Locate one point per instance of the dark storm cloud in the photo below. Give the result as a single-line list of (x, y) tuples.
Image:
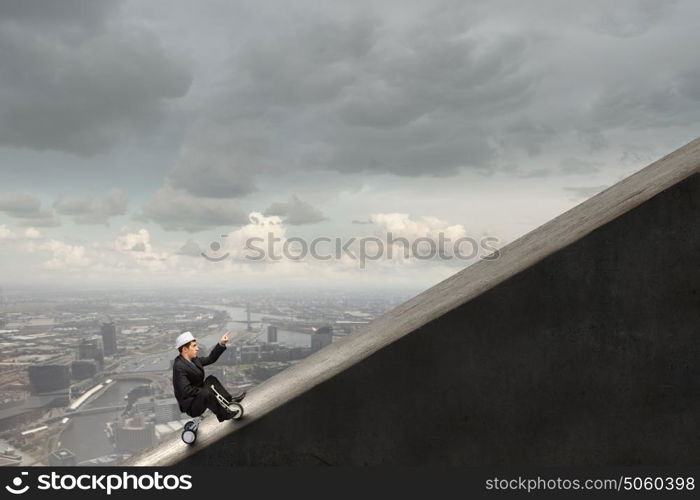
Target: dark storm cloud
[(649, 105), (209, 175), (688, 84), (295, 212), (363, 91), (177, 210), (576, 166), (430, 72), (593, 138), (519, 173), (47, 219), (20, 204), (527, 135), (353, 96), (74, 79), (68, 13), (90, 210), (626, 19), (27, 208), (358, 88)]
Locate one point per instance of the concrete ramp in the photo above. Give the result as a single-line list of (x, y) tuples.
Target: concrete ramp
[(579, 345)]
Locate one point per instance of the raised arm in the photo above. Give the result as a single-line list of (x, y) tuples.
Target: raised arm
[(216, 351)]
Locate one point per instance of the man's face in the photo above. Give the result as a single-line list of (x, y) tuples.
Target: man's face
[(191, 350)]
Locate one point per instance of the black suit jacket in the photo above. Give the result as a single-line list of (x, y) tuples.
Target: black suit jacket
[(188, 380)]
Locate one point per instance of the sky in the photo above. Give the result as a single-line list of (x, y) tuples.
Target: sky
[(137, 136)]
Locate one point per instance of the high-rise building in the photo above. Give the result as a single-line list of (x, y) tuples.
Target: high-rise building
[(109, 338), (83, 369), (271, 334), (49, 378), (133, 434), (9, 457), (167, 410), (322, 337), (249, 354), (62, 457), (91, 348), (228, 357)]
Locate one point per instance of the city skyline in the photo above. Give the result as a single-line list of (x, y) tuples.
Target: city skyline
[(71, 360)]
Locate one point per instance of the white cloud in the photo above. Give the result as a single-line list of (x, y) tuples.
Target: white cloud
[(259, 226), (65, 256), (28, 234), (31, 233), (133, 242), (429, 235), (6, 234)]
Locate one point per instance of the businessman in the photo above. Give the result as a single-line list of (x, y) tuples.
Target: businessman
[(193, 392)]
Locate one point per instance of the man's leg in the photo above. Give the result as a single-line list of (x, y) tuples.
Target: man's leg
[(200, 403), (207, 399), (211, 380), (218, 400)]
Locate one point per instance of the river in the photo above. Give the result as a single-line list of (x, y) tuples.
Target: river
[(237, 314), (85, 435)]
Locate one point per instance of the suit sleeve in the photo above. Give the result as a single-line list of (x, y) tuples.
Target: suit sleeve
[(183, 383), (213, 355)]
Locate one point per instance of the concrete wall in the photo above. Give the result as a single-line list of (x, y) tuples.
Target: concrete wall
[(591, 356)]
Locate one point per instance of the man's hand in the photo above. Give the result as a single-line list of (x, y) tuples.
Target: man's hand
[(224, 339)]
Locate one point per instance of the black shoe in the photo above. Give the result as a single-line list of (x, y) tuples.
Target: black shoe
[(239, 397), (226, 415)]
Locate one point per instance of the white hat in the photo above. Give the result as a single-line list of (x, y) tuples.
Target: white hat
[(183, 339)]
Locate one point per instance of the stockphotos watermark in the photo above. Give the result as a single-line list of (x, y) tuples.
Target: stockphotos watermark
[(361, 250), (107, 483)]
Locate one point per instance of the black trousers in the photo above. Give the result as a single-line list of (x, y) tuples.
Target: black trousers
[(206, 398)]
